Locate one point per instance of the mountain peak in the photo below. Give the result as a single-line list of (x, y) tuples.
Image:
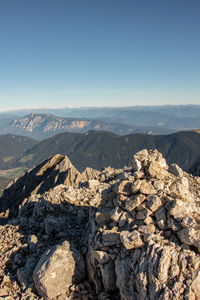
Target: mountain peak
[(56, 170)]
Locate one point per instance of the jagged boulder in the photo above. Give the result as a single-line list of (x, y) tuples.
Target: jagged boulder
[(158, 270), (58, 269)]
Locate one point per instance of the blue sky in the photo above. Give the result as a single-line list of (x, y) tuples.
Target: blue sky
[(99, 52)]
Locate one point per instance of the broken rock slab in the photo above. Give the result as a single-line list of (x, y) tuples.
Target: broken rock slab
[(58, 268), (176, 170), (131, 240)]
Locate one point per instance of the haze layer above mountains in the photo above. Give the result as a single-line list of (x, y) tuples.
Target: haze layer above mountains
[(43, 123), (41, 126)]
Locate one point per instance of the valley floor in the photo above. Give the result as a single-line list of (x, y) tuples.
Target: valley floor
[(6, 176)]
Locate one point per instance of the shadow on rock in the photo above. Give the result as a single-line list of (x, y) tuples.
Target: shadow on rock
[(135, 231), (52, 246), (53, 171)]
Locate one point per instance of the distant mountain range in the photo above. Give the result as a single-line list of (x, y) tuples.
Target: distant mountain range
[(68, 131), (40, 126), (173, 117)]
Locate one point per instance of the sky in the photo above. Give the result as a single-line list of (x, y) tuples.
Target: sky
[(56, 53)]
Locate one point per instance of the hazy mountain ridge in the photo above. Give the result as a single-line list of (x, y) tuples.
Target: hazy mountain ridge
[(98, 149), (172, 117), (40, 126), (188, 110)]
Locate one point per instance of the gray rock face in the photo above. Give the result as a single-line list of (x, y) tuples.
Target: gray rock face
[(156, 274), (161, 224), (58, 269), (54, 171), (131, 240), (136, 228), (176, 170)]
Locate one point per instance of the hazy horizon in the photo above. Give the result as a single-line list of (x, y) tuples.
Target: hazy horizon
[(90, 106)]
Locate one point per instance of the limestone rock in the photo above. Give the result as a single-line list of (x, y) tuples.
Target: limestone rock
[(139, 174), (176, 170), (179, 188), (154, 202), (131, 240), (138, 232), (158, 185), (134, 201), (188, 222), (54, 171), (57, 269), (24, 273), (135, 186), (115, 214), (181, 209), (190, 236), (143, 214), (32, 242), (91, 184), (141, 155), (90, 173), (147, 188), (155, 170), (173, 224), (150, 228), (123, 187), (156, 273), (136, 164), (195, 287)]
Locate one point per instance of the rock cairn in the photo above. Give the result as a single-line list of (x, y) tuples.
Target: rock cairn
[(132, 233)]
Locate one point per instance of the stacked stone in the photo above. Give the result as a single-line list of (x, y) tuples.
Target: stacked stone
[(147, 234)]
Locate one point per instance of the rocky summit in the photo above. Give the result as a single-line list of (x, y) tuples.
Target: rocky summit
[(130, 233)]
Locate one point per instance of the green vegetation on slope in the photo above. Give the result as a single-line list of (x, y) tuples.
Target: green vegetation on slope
[(11, 146), (6, 176), (98, 149)]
